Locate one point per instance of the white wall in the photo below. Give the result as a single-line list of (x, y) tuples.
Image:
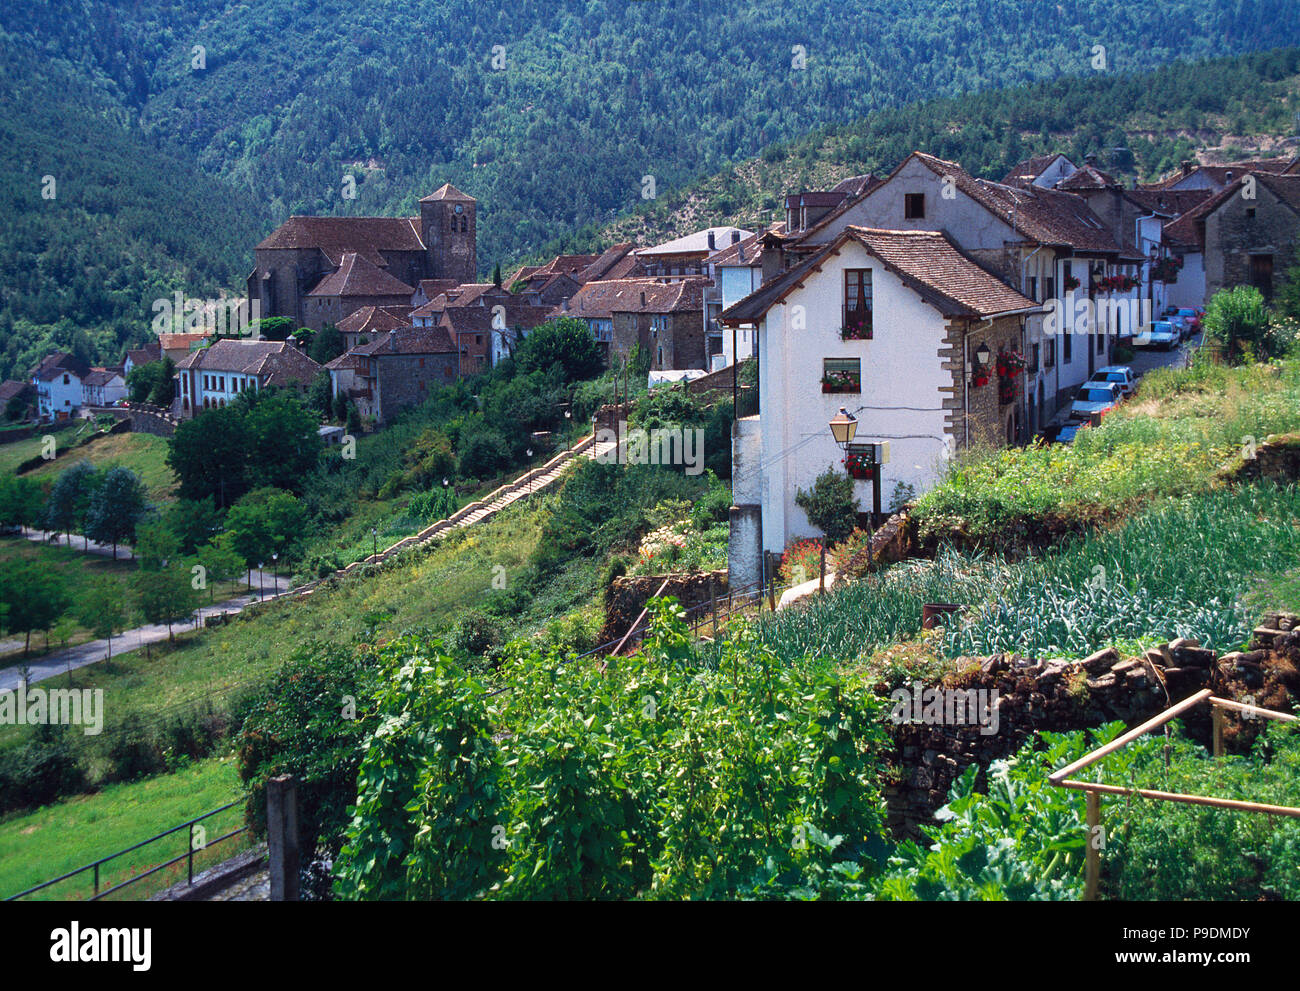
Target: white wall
[(1189, 290), (735, 283), (900, 367)]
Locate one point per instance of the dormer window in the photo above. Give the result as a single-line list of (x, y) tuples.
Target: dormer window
[(914, 206)]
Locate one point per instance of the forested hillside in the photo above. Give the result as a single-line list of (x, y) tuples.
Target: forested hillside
[(1140, 126), (207, 122)]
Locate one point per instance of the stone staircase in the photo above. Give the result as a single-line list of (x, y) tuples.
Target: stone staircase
[(531, 482)]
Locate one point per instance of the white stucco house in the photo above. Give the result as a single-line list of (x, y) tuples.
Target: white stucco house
[(103, 387), (58, 381), (891, 325)]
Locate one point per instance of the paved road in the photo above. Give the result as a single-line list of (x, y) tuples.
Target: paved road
[(1145, 359)]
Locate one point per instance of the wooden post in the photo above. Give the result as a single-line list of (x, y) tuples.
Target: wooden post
[(821, 580), (282, 836), (1093, 863), (1217, 714), (713, 605)]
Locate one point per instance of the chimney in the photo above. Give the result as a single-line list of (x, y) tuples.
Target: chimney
[(643, 294), (735, 237), (772, 260), (1090, 159), (1228, 175), (712, 247), (1187, 167)]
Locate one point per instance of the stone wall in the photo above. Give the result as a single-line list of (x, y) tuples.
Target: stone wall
[(625, 597), (1060, 697), (966, 404)]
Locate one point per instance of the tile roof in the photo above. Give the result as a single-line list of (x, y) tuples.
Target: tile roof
[(604, 265), (274, 362), (100, 376), (434, 287), (927, 261), (348, 361), (1187, 233), (1223, 174), (152, 351), (11, 387), (748, 253), (408, 340), (177, 342), (1030, 169), (337, 236), (1044, 216), (447, 192), (373, 319), (1088, 177), (1170, 202), (856, 185), (356, 276), (601, 300), (53, 365)]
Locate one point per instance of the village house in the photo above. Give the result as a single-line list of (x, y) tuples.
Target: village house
[(21, 394), (58, 383), (396, 370), (103, 387), (317, 270), (905, 331), (1046, 243), (664, 318), (146, 355), (214, 376), (1216, 178), (364, 325), (484, 320), (1245, 234), (737, 271)]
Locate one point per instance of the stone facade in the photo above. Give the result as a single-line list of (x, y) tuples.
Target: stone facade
[(1242, 234), (679, 344), (406, 380), (975, 415)]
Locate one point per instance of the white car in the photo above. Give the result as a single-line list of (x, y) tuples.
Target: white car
[(1095, 397), (1157, 334), (1120, 374)]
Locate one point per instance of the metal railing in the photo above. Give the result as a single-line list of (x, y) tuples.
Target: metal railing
[(190, 852)]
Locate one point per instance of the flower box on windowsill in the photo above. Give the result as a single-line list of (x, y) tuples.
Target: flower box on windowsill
[(841, 383), (856, 332)]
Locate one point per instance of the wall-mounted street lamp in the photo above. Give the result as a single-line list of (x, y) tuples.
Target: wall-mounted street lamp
[(983, 356), (844, 427)]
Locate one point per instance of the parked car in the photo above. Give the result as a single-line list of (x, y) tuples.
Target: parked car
[(1159, 334), (1095, 397), (1122, 374), (1190, 321)]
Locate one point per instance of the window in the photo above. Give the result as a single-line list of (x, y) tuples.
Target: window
[(1250, 212), (1032, 288), (841, 375), (857, 305), (914, 206), (478, 338), (65, 380), (1049, 287), (1050, 360), (1033, 357), (1067, 348), (421, 365), (1101, 343), (660, 359), (1261, 274)]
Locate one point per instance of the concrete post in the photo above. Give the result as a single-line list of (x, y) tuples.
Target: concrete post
[(282, 837)]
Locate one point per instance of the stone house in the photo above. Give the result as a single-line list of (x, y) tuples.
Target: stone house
[(665, 318), (396, 370), (355, 285), (364, 325), (1247, 232), (303, 252), (917, 366)]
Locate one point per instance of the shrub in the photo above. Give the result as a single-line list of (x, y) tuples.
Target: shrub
[(41, 771), (830, 504)]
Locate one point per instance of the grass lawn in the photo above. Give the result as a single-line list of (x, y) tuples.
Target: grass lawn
[(12, 455), (37, 846), (144, 454)]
